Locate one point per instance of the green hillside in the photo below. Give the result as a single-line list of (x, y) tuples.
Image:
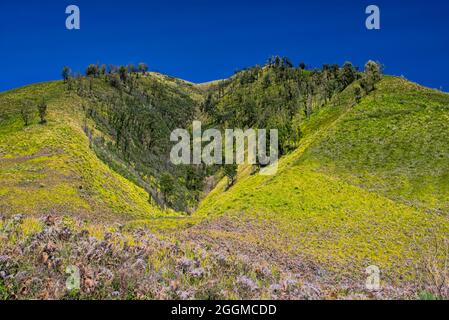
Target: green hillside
[(394, 143), (363, 180), (367, 186), (50, 169)]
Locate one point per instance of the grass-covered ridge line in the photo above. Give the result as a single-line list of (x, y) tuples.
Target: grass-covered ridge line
[(394, 143), (321, 215)]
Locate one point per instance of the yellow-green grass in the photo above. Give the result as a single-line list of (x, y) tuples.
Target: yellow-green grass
[(50, 168), (358, 191), (395, 142), (326, 217), (177, 85)]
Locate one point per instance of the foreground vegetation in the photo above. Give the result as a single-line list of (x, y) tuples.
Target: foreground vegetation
[(37, 257)]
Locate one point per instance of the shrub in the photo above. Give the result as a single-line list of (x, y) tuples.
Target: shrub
[(42, 109), (66, 72), (26, 112)]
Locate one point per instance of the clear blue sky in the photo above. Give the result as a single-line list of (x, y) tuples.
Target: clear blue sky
[(202, 40)]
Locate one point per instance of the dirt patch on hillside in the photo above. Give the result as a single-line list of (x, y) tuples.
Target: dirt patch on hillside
[(45, 152)]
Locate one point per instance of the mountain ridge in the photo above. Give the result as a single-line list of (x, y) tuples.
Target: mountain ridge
[(361, 181)]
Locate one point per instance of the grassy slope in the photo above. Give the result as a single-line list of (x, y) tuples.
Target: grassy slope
[(324, 205), (394, 143), (342, 209), (51, 169)]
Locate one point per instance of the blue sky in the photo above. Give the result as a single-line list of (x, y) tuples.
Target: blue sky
[(202, 40)]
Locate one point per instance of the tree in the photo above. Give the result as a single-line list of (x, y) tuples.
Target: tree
[(373, 70), (66, 72), (357, 94), (194, 179), (230, 171), (103, 70), (143, 67), (302, 66), (308, 105), (42, 109), (208, 104), (92, 70), (308, 90), (166, 185), (372, 74), (123, 72), (286, 63), (132, 68), (348, 74), (277, 61), (26, 112), (329, 81)]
